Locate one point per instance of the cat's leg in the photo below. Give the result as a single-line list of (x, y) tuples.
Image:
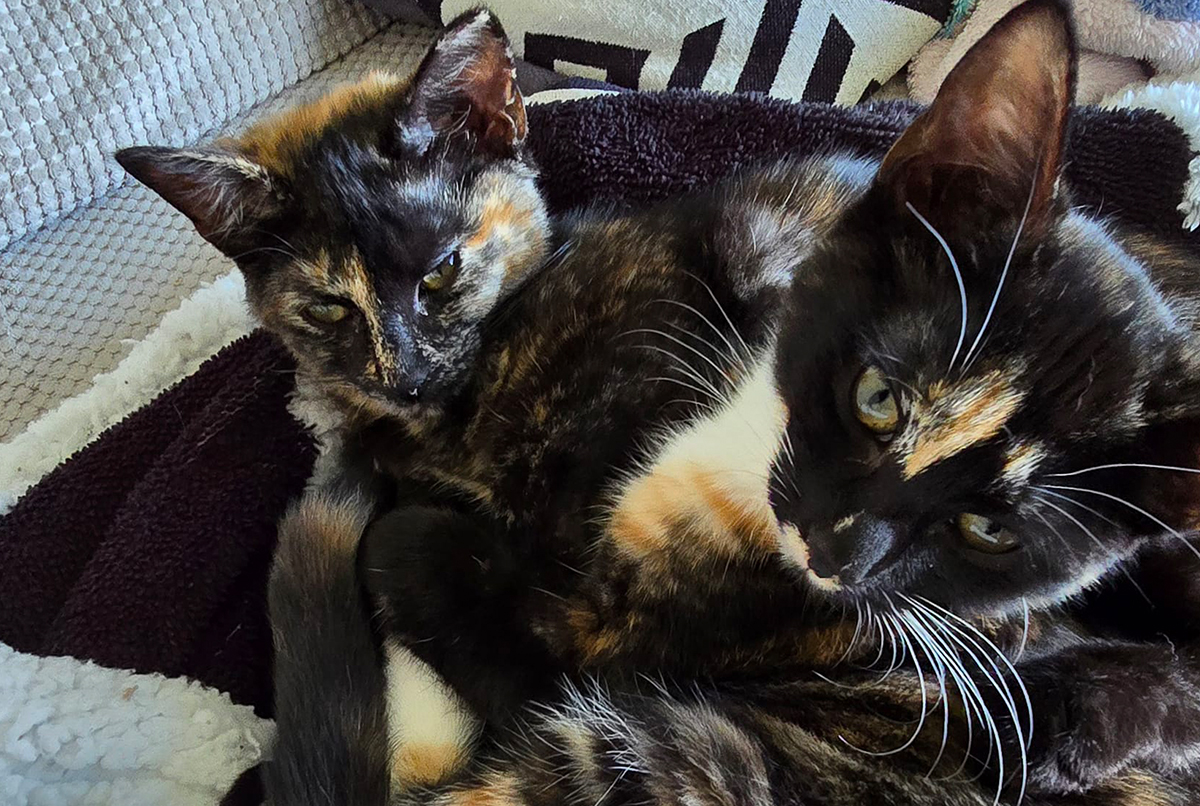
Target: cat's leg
[(450, 588), (1103, 707)]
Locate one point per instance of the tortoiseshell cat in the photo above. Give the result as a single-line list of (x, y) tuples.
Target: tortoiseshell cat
[(684, 569), (378, 226), (937, 431)]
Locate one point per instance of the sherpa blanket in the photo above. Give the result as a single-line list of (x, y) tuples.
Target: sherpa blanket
[(148, 550)]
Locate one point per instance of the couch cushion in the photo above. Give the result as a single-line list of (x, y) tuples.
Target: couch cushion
[(81, 78), (818, 50)]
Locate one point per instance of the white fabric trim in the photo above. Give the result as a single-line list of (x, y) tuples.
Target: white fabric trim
[(209, 319)]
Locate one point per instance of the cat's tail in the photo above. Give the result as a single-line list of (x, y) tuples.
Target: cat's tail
[(330, 684)]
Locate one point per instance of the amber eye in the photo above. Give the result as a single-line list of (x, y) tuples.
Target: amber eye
[(443, 275), (875, 404), (985, 534), (327, 313)]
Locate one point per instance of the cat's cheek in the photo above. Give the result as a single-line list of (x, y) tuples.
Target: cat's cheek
[(795, 553)]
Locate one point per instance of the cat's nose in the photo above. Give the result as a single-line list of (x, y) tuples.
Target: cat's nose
[(853, 549), (410, 380)]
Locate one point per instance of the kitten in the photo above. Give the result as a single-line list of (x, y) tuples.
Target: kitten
[(624, 485), (379, 225)]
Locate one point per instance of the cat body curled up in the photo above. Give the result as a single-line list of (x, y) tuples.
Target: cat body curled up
[(613, 488)]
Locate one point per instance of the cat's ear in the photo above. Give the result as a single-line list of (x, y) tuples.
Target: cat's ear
[(223, 193), (992, 141), (468, 83)]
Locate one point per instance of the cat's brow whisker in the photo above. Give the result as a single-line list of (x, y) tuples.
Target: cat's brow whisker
[(258, 249), (1117, 465), (1084, 507), (916, 393), (970, 357), (962, 288), (1132, 506)]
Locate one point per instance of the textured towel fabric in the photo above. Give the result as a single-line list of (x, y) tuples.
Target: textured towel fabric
[(149, 549)]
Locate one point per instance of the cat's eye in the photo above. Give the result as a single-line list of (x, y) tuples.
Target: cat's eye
[(985, 534), (875, 404), (442, 275), (326, 313)]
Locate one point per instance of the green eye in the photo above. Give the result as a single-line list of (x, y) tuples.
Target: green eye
[(985, 534), (443, 275), (327, 313), (875, 404)]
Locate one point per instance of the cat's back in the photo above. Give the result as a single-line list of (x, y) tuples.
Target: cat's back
[(645, 320)]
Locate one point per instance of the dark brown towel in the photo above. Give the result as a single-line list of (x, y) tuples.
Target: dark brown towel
[(149, 549)]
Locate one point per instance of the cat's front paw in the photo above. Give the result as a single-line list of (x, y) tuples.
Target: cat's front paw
[(430, 568), (1097, 710)]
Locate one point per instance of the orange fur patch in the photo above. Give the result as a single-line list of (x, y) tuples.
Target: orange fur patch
[(352, 281), (961, 416), (1021, 461), (415, 764), (728, 521), (500, 790), (274, 142)]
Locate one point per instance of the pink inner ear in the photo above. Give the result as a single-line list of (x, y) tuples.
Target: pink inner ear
[(490, 85), (1002, 112), (468, 82)]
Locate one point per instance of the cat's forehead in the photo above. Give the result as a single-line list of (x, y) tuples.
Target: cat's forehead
[(951, 415)]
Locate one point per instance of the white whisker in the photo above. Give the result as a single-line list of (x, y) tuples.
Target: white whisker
[(1116, 560), (688, 370), (933, 653), (954, 636), (1024, 630), (968, 632), (924, 702), (973, 702), (962, 288), (721, 310), (1116, 465), (1000, 285), (1132, 506), (733, 351), (683, 344)]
